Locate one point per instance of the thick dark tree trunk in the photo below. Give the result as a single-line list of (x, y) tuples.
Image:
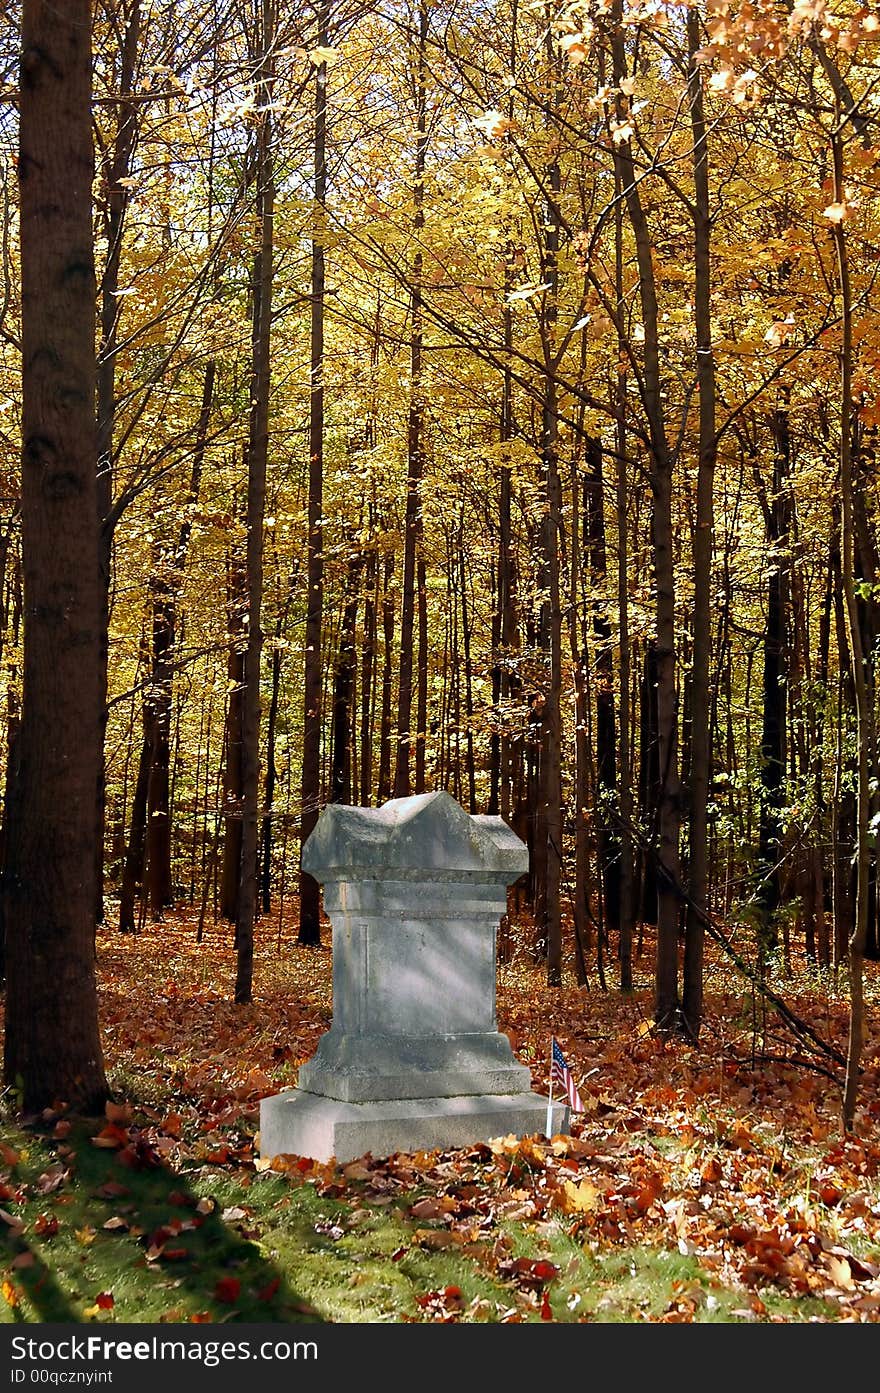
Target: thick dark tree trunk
[(52, 1044)]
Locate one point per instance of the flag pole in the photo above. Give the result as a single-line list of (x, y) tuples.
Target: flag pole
[(548, 1130)]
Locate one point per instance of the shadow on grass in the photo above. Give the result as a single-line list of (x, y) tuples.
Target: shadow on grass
[(116, 1235)]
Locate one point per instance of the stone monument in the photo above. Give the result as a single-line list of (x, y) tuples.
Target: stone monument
[(413, 1059)]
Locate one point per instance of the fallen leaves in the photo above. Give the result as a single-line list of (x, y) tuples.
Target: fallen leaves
[(735, 1164)]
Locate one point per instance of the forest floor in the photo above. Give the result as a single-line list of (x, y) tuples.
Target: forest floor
[(705, 1186)]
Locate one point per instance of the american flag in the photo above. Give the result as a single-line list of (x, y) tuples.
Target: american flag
[(560, 1073)]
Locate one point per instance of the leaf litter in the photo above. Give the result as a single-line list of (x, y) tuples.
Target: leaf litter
[(727, 1163)]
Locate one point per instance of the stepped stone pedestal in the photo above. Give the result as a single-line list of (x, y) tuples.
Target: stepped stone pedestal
[(413, 1060)]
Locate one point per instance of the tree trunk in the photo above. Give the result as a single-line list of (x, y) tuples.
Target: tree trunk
[(343, 685), (385, 736), (115, 170), (309, 892), (774, 686), (700, 726), (232, 791), (52, 1043), (415, 443), (258, 450), (606, 764)]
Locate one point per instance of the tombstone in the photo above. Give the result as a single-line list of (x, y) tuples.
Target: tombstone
[(413, 1060)]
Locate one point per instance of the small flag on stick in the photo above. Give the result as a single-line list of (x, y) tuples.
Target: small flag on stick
[(561, 1074)]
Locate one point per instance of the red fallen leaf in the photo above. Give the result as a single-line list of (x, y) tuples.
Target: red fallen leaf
[(45, 1225), (172, 1124), (546, 1308), (268, 1291), (117, 1112), (180, 1199), (104, 1299), (111, 1136), (544, 1271), (218, 1157), (201, 1318), (398, 1254), (228, 1290), (175, 1254), (9, 1154)]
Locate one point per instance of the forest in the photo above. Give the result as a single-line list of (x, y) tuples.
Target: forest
[(476, 395)]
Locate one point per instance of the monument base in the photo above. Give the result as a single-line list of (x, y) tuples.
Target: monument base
[(305, 1124)]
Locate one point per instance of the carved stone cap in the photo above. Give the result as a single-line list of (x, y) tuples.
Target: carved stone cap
[(427, 836)]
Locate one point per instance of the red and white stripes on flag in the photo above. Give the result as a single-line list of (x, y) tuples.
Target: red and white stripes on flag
[(561, 1074)]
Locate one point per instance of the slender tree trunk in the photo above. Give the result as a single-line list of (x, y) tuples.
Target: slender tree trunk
[(310, 898), (258, 450), (116, 169), (52, 1043), (343, 685), (385, 730), (698, 859), (232, 788), (624, 762), (368, 671), (415, 442), (774, 686), (551, 752), (857, 659), (606, 766), (668, 820), (268, 826)]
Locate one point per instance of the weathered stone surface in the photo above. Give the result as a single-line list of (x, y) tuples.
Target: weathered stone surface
[(414, 891), (323, 1127)]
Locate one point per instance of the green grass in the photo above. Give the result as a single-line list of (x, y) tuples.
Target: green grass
[(213, 1244)]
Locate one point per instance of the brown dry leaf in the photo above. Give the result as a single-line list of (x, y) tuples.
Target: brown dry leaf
[(52, 1178), (356, 1170), (437, 1238), (434, 1207)]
